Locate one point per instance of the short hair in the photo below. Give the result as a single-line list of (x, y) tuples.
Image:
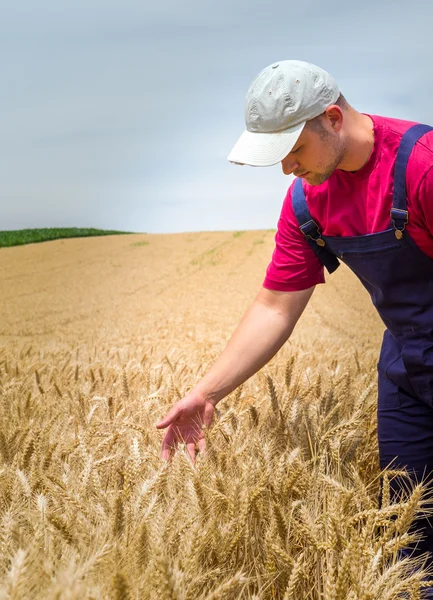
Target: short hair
[(316, 123), (342, 102)]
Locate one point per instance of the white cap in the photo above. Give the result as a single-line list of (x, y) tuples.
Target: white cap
[(279, 102)]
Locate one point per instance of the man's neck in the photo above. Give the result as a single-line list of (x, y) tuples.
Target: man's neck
[(359, 140)]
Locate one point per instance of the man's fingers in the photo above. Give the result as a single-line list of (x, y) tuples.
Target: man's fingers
[(165, 452), (171, 416), (168, 443), (191, 451), (166, 448)]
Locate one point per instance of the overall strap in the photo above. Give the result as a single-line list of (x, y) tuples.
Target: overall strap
[(399, 214), (310, 228)]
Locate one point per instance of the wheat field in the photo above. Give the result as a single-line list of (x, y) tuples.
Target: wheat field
[(98, 338)]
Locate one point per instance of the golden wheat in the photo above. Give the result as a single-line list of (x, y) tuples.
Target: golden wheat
[(283, 504)]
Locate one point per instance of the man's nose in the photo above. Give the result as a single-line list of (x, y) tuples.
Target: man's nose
[(289, 165)]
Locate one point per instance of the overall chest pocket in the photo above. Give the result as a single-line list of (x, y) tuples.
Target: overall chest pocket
[(369, 253)]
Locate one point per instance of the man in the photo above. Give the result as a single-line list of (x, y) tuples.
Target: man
[(363, 195)]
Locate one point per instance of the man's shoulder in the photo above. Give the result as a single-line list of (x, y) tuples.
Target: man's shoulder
[(394, 130), (398, 126), (421, 159)]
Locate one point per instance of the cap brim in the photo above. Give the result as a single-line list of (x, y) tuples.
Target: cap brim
[(264, 149)]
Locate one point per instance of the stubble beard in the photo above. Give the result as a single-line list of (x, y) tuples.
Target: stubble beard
[(317, 178), (337, 151)]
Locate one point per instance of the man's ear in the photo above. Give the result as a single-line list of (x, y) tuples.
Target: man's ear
[(334, 115)]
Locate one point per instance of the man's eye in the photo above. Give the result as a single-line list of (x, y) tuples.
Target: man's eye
[(295, 151)]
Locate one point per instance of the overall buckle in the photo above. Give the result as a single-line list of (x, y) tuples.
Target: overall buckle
[(311, 230), (399, 219)]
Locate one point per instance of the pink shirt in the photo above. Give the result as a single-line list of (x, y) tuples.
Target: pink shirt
[(356, 204)]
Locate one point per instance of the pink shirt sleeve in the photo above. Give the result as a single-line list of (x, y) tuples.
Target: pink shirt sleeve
[(294, 265)]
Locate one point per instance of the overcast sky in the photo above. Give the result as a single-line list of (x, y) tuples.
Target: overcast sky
[(120, 114)]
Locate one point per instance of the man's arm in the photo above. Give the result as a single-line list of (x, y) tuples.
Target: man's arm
[(262, 331)]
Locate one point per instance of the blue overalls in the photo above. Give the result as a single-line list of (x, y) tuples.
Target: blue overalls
[(399, 278)]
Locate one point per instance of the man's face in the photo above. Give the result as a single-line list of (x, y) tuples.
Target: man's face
[(317, 153)]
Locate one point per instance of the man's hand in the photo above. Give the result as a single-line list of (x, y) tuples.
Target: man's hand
[(184, 421)]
